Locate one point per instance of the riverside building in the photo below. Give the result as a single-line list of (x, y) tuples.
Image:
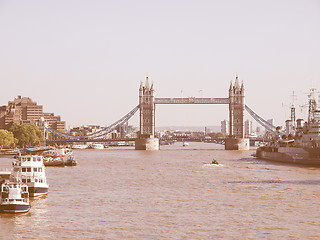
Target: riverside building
[(22, 110)]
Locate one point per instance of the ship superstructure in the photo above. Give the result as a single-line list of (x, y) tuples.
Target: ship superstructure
[(303, 146), (31, 170)]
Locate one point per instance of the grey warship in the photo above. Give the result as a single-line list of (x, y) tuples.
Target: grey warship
[(301, 147)]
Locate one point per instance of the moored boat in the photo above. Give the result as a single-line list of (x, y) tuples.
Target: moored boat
[(57, 157), (303, 145), (14, 197), (30, 169), (79, 146), (96, 146), (53, 161), (289, 154)]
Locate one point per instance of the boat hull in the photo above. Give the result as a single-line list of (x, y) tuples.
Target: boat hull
[(54, 163), (71, 163), (37, 191), (295, 156), (14, 208)]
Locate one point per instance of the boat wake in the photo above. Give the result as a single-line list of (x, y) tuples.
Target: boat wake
[(210, 165)]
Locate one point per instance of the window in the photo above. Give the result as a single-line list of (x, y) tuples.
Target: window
[(28, 169), (35, 169), (23, 169)]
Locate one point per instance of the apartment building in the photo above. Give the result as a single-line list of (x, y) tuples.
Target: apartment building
[(22, 110)]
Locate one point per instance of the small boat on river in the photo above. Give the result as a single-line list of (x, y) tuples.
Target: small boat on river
[(58, 157), (14, 197), (50, 161)]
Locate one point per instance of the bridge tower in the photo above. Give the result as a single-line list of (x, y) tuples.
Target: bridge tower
[(146, 139), (236, 140)]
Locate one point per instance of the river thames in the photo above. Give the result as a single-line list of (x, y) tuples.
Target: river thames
[(174, 193)]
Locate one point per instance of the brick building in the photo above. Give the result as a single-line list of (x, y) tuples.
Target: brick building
[(22, 110)]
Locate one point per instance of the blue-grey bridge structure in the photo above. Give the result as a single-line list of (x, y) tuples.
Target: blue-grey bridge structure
[(147, 103)]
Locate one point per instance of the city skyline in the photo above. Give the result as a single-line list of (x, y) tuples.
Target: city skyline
[(85, 61)]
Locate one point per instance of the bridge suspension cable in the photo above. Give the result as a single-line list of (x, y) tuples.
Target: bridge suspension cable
[(121, 121), (260, 120), (102, 132)]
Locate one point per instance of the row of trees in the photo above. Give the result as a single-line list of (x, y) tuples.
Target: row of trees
[(22, 135)]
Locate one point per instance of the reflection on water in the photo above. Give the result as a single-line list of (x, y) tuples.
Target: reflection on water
[(174, 193)]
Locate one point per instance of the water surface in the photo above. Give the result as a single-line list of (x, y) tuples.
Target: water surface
[(174, 193)]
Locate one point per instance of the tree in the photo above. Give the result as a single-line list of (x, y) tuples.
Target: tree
[(214, 135), (34, 135), (6, 138), (132, 131), (27, 134)]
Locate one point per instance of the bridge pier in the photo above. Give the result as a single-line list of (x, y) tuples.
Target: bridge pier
[(237, 144), (147, 144), (236, 140), (146, 139)]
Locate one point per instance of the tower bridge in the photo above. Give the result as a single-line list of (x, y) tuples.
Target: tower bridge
[(146, 139), (147, 102)]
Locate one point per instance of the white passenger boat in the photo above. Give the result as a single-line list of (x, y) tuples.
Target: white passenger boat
[(30, 169), (97, 146), (14, 197), (79, 146)]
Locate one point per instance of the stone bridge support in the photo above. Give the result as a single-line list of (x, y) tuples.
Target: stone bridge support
[(236, 140), (146, 138)]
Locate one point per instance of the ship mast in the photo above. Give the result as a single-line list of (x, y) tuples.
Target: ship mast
[(312, 105), (293, 112)]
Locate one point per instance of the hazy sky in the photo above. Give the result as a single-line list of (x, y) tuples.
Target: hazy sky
[(84, 60)]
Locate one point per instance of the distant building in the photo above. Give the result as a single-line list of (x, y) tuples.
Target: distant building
[(271, 121), (22, 110), (225, 127), (248, 128), (182, 134), (258, 131)]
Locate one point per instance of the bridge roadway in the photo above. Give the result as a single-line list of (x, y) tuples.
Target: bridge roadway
[(218, 140), (89, 140), (192, 100)]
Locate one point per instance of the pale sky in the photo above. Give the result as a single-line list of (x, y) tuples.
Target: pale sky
[(84, 60)]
